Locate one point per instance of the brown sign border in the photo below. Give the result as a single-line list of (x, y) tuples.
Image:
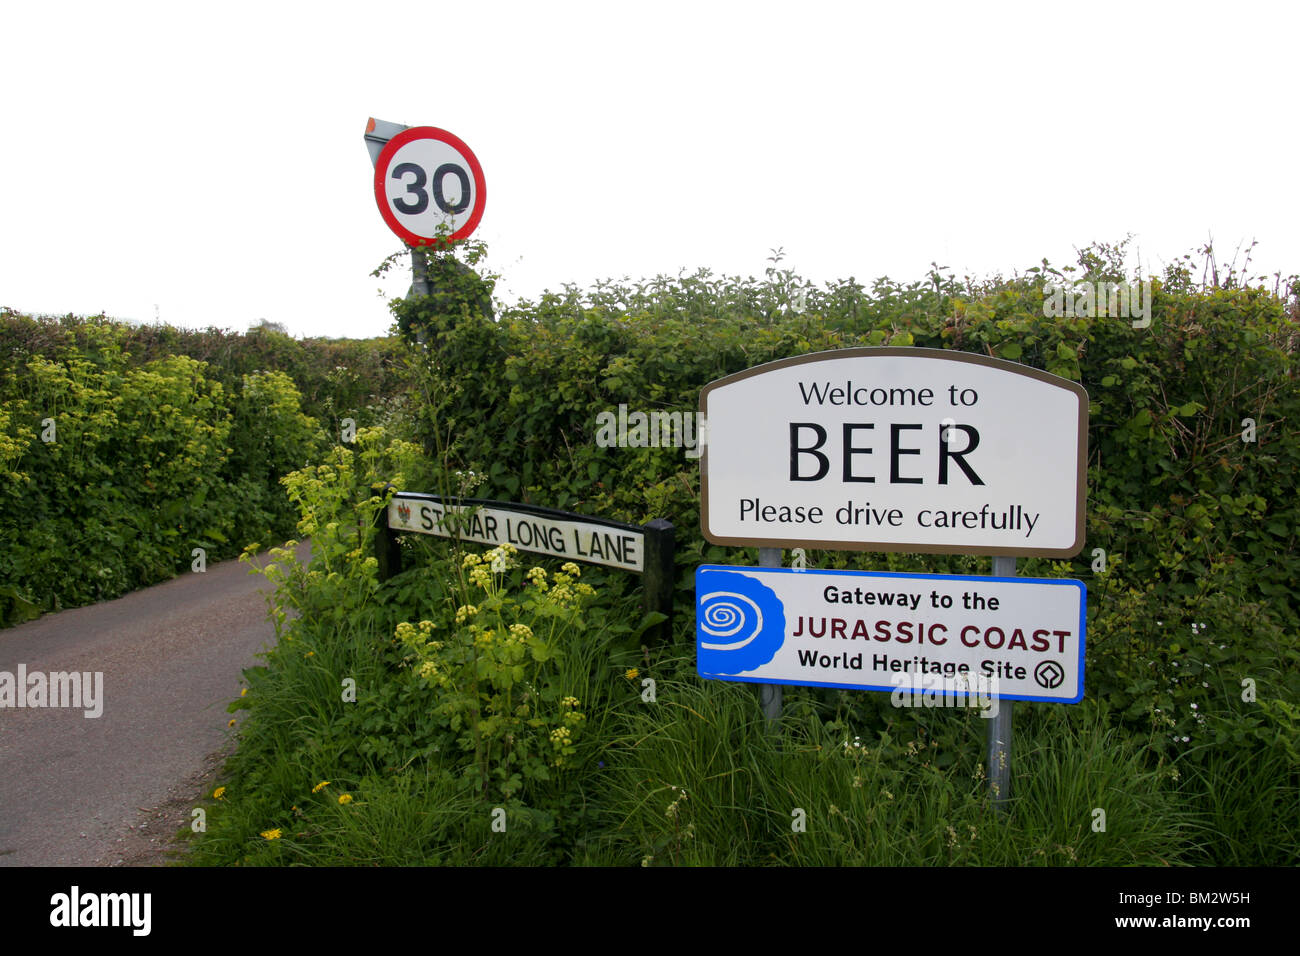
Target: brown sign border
[(1013, 368)]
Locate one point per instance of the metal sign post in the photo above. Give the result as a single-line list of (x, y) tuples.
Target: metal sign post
[(999, 728), (769, 695)]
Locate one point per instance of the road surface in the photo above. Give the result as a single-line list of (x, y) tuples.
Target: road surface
[(113, 789)]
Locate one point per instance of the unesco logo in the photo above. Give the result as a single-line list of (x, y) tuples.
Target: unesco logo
[(741, 623), (1049, 674)]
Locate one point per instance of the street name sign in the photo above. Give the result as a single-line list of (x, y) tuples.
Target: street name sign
[(896, 449), (429, 186), (1013, 638), (645, 550), (560, 534)]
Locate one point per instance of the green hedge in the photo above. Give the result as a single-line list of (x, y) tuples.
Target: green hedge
[(115, 465), (1199, 527), (1189, 768)]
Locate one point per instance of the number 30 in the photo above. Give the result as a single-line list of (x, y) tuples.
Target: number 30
[(416, 188)]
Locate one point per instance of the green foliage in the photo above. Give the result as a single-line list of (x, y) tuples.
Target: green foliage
[(702, 781), (1173, 490), (483, 701), (1188, 737), (493, 672), (115, 466)]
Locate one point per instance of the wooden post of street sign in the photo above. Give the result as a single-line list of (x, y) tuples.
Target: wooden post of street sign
[(769, 695), (659, 578), (999, 729), (387, 550)]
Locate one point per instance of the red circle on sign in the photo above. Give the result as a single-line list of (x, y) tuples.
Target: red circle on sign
[(382, 176)]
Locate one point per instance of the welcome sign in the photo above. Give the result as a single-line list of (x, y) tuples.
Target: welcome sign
[(896, 449)]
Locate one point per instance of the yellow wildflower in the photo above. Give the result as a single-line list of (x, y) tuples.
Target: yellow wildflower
[(632, 673), (320, 786), (271, 834), (345, 798), (219, 793)]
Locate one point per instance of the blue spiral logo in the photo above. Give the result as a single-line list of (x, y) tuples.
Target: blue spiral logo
[(740, 622)]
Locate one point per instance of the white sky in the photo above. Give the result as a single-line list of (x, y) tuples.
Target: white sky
[(209, 161)]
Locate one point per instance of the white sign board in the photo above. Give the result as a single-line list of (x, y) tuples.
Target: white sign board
[(528, 529), (1013, 638), (896, 449)]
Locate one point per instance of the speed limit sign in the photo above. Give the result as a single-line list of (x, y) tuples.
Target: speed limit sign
[(429, 186)]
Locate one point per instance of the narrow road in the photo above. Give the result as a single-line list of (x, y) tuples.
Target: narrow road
[(78, 790)]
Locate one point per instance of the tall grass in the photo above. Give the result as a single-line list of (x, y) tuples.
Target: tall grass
[(808, 792)]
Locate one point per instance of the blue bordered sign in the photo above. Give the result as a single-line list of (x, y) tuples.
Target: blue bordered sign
[(1014, 638)]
